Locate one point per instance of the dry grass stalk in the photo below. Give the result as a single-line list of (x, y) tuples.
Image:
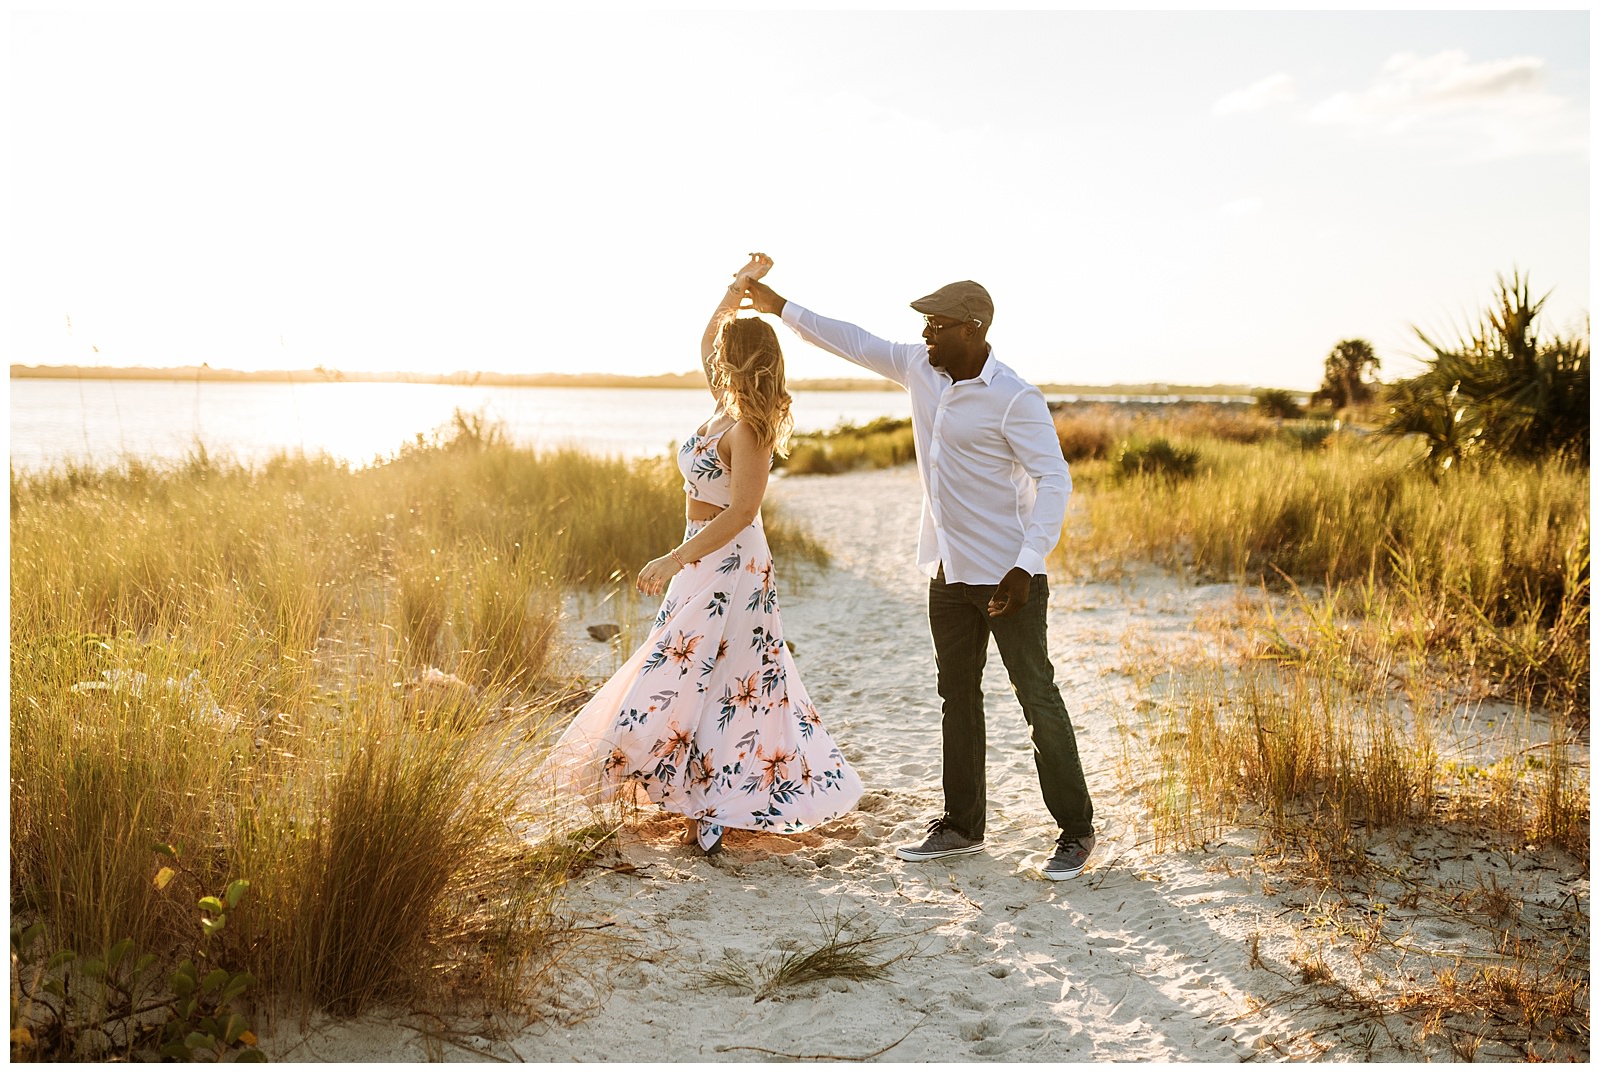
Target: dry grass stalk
[(834, 957)]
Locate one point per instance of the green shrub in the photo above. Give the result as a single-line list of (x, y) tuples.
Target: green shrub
[(1156, 458), (1278, 404)]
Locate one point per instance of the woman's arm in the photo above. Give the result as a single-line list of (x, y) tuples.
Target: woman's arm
[(749, 469), (729, 306)]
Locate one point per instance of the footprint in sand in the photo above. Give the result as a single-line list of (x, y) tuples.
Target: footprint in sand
[(630, 978), (693, 909), (967, 1002), (873, 801), (979, 1030), (1011, 1038)]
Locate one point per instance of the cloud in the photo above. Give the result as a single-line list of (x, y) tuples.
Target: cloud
[(1495, 107), (1277, 89)]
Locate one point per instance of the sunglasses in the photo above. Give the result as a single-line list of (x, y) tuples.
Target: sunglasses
[(936, 327)]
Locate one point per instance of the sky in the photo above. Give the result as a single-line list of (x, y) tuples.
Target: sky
[(1173, 196)]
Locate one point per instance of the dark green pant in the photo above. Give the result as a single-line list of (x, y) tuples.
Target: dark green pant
[(961, 627)]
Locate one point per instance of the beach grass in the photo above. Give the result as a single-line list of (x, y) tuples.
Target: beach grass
[(1402, 675), (876, 445), (330, 681), (1488, 565), (1391, 602)]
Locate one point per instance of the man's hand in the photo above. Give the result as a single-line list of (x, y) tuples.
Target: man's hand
[(764, 299), (1011, 595)]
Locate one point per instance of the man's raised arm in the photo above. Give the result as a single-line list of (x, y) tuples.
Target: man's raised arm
[(888, 360)]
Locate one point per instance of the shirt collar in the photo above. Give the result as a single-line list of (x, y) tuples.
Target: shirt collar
[(985, 374), (990, 367)]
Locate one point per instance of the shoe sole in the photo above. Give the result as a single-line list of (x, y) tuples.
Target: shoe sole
[(915, 855), (1056, 875)]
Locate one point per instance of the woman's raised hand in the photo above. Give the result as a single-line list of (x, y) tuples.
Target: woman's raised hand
[(759, 263)]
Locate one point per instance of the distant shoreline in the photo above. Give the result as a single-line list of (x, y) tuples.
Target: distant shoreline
[(696, 381)]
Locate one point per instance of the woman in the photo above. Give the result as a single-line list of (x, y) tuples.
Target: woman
[(709, 717)]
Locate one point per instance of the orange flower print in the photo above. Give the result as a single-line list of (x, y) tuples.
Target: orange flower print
[(682, 652), (702, 769), (745, 694), (678, 740), (775, 766), (766, 597)]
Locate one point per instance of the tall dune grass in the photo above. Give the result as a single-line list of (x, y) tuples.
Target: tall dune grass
[(1488, 564), (329, 681), (1468, 588), (876, 445)]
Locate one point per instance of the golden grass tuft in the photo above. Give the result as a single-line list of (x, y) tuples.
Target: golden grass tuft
[(877, 445), (330, 681)]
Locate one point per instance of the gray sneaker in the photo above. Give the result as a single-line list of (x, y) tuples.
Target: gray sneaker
[(1068, 861), (942, 841)]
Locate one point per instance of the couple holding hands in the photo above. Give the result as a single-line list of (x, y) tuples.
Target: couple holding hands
[(709, 716)]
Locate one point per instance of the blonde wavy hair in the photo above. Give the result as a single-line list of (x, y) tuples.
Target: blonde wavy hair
[(747, 371)]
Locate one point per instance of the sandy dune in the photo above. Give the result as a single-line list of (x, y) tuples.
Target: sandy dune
[(1145, 957)]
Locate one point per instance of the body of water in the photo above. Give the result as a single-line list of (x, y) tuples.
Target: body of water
[(101, 422)]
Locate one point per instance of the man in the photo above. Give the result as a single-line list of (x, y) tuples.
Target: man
[(995, 491)]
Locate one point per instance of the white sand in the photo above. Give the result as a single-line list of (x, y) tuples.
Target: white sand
[(1145, 957)]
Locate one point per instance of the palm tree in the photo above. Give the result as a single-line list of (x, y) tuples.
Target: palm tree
[(1344, 374)]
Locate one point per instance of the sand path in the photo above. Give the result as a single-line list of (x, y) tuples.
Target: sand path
[(1120, 964)]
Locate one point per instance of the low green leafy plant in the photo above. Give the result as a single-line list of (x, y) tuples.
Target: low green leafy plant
[(112, 1007)]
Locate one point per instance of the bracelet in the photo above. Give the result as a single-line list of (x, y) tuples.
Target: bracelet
[(677, 560)]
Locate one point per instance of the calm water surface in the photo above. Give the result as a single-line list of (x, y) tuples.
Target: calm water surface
[(101, 422)]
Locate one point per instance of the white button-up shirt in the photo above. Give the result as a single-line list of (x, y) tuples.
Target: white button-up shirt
[(994, 483)]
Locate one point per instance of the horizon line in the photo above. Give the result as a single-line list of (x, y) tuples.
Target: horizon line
[(487, 378)]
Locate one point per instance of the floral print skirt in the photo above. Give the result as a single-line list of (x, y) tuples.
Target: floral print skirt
[(709, 717)]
